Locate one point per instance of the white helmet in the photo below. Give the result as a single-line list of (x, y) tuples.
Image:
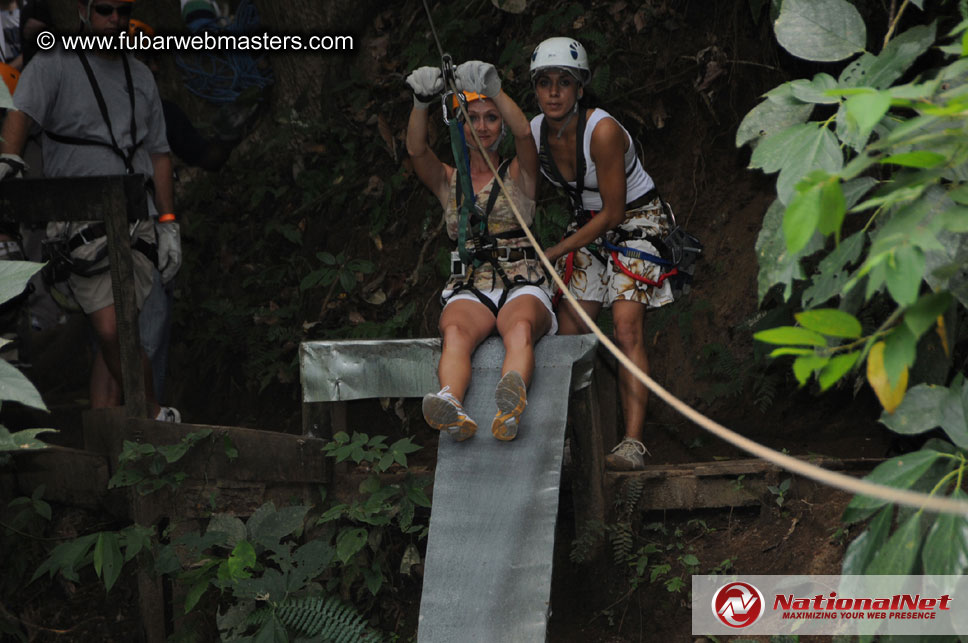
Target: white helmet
[(563, 53)]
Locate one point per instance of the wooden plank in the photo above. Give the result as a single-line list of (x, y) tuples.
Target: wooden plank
[(70, 476), (36, 201), (264, 456), (700, 485)]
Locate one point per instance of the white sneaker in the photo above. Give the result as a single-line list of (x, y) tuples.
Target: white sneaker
[(628, 455), (168, 414), (511, 397), (445, 413)]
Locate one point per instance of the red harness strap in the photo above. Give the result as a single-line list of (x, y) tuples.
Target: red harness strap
[(657, 282), (569, 269)]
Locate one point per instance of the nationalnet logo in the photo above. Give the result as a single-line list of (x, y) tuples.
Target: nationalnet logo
[(738, 604), (831, 605)]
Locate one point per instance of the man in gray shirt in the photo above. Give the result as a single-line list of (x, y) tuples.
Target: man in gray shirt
[(101, 114)]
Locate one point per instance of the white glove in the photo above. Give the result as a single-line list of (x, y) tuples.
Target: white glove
[(427, 84), (169, 250), (11, 165), (480, 77)]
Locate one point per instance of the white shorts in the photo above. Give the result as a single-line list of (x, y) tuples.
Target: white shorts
[(495, 296)]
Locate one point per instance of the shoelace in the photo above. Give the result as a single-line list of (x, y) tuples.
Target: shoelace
[(627, 445), (446, 394)]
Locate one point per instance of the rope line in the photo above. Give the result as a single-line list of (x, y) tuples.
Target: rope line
[(834, 479)]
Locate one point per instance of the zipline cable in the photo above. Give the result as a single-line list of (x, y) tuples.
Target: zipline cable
[(840, 481)]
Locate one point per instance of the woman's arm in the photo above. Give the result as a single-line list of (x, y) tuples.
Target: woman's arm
[(608, 154), (524, 167), (431, 171)]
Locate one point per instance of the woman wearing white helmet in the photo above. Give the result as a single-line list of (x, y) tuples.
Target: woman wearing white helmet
[(618, 220), (497, 283)]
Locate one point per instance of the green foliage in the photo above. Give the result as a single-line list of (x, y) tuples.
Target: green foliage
[(324, 619), (729, 377), (359, 530), (22, 524), (148, 467), (336, 269), (870, 229), (779, 491), (647, 554), (106, 551), (14, 386)]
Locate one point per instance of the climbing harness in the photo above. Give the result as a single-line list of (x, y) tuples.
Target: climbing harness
[(679, 250), (125, 156), (485, 249), (476, 245)]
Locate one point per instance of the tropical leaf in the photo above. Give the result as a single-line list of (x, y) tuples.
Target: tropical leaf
[(898, 555), (772, 116), (900, 472), (889, 394), (820, 30), (945, 549), (15, 387), (926, 407), (861, 550), (830, 321)]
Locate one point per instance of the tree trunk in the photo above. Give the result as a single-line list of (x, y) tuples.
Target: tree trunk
[(301, 77)]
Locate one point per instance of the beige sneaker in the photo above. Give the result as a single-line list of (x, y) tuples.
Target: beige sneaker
[(444, 412), (628, 455), (511, 397)]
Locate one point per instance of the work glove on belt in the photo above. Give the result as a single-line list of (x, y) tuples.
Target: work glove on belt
[(11, 165), (169, 250)]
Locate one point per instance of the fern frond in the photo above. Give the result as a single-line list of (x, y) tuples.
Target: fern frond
[(622, 541), (590, 535), (627, 500), (325, 619)]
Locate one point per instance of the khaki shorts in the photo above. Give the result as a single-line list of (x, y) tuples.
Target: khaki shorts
[(605, 283), (95, 293)]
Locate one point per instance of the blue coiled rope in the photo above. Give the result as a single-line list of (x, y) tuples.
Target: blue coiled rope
[(222, 76)]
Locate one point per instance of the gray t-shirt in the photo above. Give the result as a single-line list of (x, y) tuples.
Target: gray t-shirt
[(55, 92)]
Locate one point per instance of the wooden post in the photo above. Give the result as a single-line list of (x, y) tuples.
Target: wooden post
[(588, 488), (127, 207)]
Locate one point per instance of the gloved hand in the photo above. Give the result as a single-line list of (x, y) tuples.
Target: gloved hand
[(480, 77), (427, 84), (169, 250), (11, 165)]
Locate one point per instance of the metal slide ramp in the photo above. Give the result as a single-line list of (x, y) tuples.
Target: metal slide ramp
[(490, 548)]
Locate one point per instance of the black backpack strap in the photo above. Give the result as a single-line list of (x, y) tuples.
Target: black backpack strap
[(126, 157), (502, 171), (550, 168)]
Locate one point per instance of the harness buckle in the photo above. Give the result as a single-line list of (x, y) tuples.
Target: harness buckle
[(502, 253), (82, 235)]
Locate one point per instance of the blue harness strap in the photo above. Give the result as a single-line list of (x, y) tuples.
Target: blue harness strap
[(637, 254)]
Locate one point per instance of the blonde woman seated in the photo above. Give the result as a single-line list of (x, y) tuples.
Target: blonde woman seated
[(498, 282)]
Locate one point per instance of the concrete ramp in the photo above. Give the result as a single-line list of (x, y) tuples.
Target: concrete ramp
[(492, 527)]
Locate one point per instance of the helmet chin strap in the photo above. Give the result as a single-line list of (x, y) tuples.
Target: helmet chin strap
[(86, 17), (567, 120), (500, 137)]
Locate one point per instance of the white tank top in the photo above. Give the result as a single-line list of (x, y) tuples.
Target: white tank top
[(637, 180)]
